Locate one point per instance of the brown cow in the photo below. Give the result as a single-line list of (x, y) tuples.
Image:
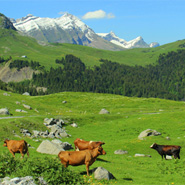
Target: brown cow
[(15, 146), (83, 145), (76, 158)]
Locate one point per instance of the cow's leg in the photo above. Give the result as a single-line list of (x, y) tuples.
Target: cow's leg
[(162, 156), (87, 168), (176, 156), (65, 163), (22, 154), (12, 153), (27, 153)]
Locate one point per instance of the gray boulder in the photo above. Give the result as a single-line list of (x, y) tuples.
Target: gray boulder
[(20, 110), (4, 111), (121, 152), (142, 155), (104, 111), (49, 147), (74, 125), (27, 106), (101, 173), (64, 145), (26, 94), (148, 132)]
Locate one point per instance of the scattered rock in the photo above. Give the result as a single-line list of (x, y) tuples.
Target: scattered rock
[(101, 173), (6, 94), (142, 155), (51, 121), (104, 111), (27, 106), (148, 132), (4, 111), (28, 180), (120, 152), (26, 94), (18, 103), (168, 138), (74, 125), (20, 110), (25, 132), (64, 101), (36, 110)]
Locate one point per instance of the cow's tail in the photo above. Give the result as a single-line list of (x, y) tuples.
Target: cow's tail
[(26, 148)]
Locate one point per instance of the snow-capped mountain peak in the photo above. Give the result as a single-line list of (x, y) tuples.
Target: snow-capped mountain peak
[(65, 29), (135, 43)]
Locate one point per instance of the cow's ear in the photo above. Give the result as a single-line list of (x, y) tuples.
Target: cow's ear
[(102, 143)]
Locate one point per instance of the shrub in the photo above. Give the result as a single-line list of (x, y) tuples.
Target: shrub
[(48, 168)]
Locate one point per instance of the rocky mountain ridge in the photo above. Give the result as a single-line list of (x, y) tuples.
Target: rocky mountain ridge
[(70, 29)]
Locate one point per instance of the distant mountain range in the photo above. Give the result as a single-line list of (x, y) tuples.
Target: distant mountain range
[(70, 29)]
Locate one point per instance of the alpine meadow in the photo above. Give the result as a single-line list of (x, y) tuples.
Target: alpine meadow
[(139, 89)]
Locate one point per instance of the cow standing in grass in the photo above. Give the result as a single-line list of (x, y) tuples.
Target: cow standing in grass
[(81, 144), (76, 158), (163, 150), (15, 146)]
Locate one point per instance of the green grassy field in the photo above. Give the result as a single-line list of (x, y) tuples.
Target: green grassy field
[(15, 45), (119, 130)]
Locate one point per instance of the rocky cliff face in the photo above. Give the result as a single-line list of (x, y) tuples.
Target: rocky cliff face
[(5, 23)]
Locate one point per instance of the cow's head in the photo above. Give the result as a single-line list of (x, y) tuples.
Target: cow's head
[(5, 142), (102, 143), (154, 146), (101, 151)]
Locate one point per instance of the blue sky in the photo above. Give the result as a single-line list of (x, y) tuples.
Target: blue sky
[(160, 21)]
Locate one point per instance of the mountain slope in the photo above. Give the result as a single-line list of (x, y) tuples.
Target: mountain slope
[(65, 29)]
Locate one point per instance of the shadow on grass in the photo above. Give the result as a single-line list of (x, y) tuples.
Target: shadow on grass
[(102, 160), (128, 179)]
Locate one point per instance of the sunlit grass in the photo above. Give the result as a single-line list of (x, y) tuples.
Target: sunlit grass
[(119, 130)]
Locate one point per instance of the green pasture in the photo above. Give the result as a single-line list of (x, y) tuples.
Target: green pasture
[(119, 130), (15, 45)]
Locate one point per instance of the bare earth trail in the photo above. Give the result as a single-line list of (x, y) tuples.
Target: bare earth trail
[(11, 117)]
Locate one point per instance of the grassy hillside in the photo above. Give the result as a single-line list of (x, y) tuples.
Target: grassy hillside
[(15, 45), (119, 130)]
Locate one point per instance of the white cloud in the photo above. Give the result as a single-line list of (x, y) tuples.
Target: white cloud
[(99, 14)]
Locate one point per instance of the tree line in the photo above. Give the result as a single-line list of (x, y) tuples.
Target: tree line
[(19, 64), (165, 79)]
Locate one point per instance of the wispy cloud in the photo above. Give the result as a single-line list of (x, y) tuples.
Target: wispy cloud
[(99, 14)]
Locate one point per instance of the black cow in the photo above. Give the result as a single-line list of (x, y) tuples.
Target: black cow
[(172, 150)]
